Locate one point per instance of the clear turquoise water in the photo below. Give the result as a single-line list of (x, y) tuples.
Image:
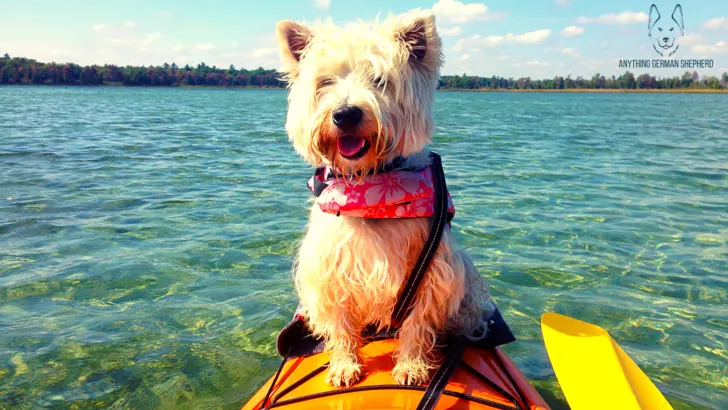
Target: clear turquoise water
[(146, 236)]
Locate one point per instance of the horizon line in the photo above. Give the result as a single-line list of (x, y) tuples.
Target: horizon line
[(215, 67)]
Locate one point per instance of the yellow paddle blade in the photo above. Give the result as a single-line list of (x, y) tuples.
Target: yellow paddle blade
[(593, 371)]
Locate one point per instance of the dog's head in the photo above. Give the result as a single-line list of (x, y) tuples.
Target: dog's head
[(362, 94), (665, 33)]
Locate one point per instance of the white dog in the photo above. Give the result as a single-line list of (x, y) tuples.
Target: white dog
[(361, 99)]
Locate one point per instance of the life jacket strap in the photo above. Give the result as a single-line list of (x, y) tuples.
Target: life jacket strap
[(440, 219)]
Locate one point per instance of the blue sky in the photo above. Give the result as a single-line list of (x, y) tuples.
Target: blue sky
[(513, 38)]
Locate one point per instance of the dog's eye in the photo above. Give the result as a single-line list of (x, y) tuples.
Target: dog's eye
[(326, 82), (378, 82), (673, 28)]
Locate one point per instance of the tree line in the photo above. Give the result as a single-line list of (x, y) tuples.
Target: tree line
[(20, 70), (625, 81), (28, 71)]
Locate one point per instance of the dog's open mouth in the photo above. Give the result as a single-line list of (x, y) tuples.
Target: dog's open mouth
[(352, 147)]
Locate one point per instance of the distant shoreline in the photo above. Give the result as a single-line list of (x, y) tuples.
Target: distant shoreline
[(595, 90), (472, 90), (25, 71), (115, 85)]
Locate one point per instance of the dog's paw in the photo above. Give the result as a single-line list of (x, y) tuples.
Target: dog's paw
[(343, 372), (411, 372)]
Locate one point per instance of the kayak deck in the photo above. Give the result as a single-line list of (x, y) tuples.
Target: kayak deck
[(485, 379)]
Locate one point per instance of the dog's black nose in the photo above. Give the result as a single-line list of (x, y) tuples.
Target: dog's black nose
[(348, 116), (666, 39)]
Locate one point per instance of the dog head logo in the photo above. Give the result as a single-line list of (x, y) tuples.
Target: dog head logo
[(362, 94), (666, 33)]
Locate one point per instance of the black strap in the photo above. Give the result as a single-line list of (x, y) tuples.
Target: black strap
[(318, 186), (405, 301), (442, 376)]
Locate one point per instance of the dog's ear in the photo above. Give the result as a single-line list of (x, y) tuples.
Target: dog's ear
[(654, 16), (293, 38), (417, 31), (678, 17)]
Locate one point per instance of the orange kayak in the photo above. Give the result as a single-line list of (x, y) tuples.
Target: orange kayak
[(484, 379)]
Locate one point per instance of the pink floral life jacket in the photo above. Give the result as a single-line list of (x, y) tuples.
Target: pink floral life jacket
[(399, 193)]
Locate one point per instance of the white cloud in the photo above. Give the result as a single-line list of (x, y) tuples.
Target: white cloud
[(476, 41), (532, 37), (464, 57), (165, 13), (453, 11), (625, 17), (322, 4), (99, 27), (691, 38), (264, 52), (564, 3), (720, 23), (204, 47), (178, 47), (449, 32), (151, 37), (129, 23), (570, 52), (572, 31), (718, 48), (532, 63), (112, 40)]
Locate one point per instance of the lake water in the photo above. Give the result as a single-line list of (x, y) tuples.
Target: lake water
[(146, 236)]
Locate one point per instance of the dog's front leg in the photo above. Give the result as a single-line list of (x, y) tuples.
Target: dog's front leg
[(344, 364), (417, 338), (414, 354), (439, 297)]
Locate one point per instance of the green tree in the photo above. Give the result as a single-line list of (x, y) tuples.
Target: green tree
[(687, 80), (4, 75)]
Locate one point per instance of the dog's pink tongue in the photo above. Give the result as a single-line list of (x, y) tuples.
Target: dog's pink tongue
[(349, 145)]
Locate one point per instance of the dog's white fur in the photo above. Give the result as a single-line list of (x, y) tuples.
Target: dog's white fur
[(349, 271)]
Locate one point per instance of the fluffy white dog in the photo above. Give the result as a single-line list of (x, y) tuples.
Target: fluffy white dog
[(361, 97)]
